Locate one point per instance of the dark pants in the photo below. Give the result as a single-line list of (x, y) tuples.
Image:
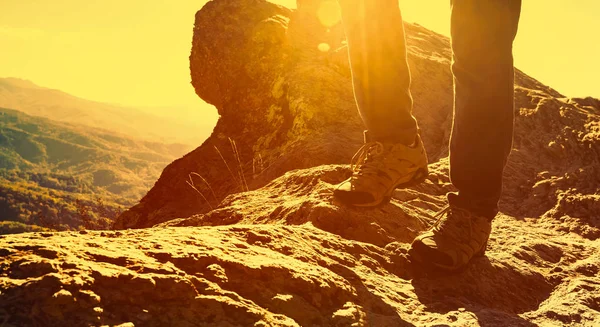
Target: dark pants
[(482, 35)]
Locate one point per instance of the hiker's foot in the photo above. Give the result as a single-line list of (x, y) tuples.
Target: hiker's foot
[(456, 237), (379, 168)]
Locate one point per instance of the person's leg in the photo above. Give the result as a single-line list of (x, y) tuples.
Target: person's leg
[(380, 73), (482, 36), (393, 155)]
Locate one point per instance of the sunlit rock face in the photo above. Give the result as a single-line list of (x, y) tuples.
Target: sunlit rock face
[(267, 245), (288, 104)]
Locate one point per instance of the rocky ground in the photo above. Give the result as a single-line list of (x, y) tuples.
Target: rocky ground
[(266, 245), (287, 255)]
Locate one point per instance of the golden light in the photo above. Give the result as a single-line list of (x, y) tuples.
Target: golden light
[(86, 44), (329, 13)]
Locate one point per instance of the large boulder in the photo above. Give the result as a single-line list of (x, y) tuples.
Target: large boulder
[(286, 104)]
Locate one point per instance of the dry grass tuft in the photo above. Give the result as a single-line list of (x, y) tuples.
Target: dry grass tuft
[(190, 182), (236, 155), (238, 176)]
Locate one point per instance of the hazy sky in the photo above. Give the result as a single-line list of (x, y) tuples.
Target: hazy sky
[(135, 52)]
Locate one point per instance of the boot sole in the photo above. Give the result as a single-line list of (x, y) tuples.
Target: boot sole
[(419, 177)]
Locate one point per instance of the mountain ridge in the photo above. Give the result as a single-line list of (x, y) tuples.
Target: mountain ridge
[(28, 97)]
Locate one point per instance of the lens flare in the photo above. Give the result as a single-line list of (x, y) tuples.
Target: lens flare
[(329, 13), (324, 47)]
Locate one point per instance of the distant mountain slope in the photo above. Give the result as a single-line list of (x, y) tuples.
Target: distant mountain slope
[(51, 169), (34, 100)]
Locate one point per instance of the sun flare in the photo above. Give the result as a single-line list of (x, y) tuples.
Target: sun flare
[(329, 13)]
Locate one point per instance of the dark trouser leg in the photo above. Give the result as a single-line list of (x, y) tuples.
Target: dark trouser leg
[(482, 36), (380, 74)]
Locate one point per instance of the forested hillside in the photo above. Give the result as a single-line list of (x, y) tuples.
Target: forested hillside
[(62, 176)]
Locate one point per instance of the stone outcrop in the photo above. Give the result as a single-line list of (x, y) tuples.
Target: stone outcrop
[(288, 105), (267, 245), (286, 255)]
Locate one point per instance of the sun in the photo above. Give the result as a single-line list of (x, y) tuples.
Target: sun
[(329, 13)]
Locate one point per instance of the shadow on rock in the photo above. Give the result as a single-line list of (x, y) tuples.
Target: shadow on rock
[(494, 291)]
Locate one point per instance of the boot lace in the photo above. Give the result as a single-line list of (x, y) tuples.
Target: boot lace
[(454, 222), (362, 161)]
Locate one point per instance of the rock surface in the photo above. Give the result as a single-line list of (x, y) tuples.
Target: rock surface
[(289, 256), (284, 253)]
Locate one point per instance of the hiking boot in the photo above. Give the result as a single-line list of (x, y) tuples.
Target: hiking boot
[(454, 239), (379, 168)]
